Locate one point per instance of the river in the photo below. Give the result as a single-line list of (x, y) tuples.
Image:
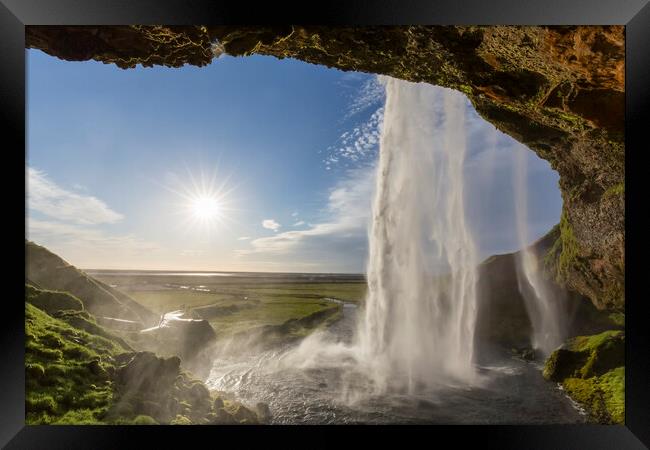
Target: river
[(513, 391)]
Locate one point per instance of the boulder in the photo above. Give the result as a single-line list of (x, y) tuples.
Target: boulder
[(591, 371)]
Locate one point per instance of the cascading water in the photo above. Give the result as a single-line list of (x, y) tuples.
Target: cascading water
[(420, 310), (547, 308)]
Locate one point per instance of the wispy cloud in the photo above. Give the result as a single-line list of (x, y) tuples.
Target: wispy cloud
[(243, 238), (359, 145), (271, 224), (340, 239), (294, 214), (80, 237), (371, 94), (299, 223), (48, 198)]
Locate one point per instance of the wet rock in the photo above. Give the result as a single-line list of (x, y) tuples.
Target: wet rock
[(527, 353), (145, 372), (189, 339), (222, 417), (244, 415), (591, 370), (263, 412)]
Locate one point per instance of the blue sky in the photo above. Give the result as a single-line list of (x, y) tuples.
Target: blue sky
[(289, 146)]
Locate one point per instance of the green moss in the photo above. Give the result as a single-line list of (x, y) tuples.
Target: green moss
[(568, 257), (591, 370), (52, 301), (79, 417), (36, 402), (465, 89), (569, 117), (604, 396), (616, 190), (617, 318), (180, 420), (60, 387), (144, 420), (71, 367), (35, 370), (591, 343)]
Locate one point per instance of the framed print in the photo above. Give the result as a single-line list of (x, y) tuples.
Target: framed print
[(356, 217)]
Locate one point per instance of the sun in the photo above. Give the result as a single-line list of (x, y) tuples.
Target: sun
[(203, 200), (206, 208)]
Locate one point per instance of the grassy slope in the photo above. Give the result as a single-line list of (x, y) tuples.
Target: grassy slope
[(48, 271), (71, 374), (61, 384)]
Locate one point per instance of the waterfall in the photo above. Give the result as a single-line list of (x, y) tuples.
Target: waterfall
[(547, 307), (420, 310)]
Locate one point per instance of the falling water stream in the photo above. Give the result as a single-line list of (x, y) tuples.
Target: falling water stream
[(407, 355), (547, 308), (419, 324)]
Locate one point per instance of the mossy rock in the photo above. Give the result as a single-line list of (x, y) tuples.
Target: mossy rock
[(144, 420), (180, 420), (562, 364), (603, 396), (244, 415), (586, 356), (591, 371)]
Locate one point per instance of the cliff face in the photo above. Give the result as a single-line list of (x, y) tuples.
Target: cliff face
[(502, 316), (558, 90)]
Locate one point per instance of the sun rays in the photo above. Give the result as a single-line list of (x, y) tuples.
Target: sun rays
[(204, 200)]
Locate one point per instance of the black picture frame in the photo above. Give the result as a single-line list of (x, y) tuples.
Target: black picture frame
[(634, 14)]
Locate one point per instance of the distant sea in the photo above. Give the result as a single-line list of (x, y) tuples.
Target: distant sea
[(340, 277)]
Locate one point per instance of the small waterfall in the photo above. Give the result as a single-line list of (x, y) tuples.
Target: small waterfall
[(547, 307), (420, 310)]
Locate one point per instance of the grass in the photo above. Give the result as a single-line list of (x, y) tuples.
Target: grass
[(274, 312), (61, 386), (52, 301), (253, 304)]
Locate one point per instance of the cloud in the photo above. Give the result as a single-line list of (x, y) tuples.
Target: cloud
[(294, 214), (371, 93), (359, 145), (271, 224), (243, 238), (46, 197), (84, 239), (338, 243), (192, 253), (299, 223)]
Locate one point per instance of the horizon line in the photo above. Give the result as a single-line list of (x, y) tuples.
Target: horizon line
[(221, 271)]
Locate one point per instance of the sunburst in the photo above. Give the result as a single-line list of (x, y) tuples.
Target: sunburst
[(204, 200)]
